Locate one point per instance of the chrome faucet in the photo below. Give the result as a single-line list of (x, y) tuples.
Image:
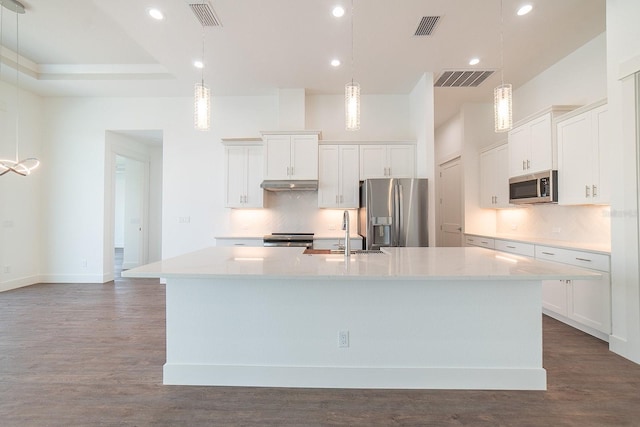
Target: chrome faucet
[(345, 227)]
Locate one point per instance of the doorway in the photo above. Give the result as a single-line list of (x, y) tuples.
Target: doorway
[(133, 200), (451, 216)]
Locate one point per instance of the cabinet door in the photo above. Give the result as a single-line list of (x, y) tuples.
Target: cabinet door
[(304, 157), (487, 167), (540, 145), (277, 157), (519, 143), (328, 176), (590, 303), (349, 177), (235, 176), (401, 161), (600, 131), (373, 161), (253, 178), (554, 296), (575, 161), (501, 177)]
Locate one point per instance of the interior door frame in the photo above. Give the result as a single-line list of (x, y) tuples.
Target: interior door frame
[(439, 214), (114, 149)]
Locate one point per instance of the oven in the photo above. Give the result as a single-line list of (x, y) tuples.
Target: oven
[(301, 240)]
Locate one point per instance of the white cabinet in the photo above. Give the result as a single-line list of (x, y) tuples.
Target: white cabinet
[(532, 145), (583, 157), (239, 241), (291, 156), (484, 242), (338, 176), (337, 243), (494, 178), (387, 161), (585, 303), (518, 248), (243, 173)]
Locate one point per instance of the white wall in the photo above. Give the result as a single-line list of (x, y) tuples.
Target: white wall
[(20, 208), (623, 45)]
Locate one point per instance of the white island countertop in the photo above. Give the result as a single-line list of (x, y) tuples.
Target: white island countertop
[(470, 263)]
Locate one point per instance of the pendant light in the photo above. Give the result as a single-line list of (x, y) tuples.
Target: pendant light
[(25, 166), (503, 94), (352, 94), (202, 101)]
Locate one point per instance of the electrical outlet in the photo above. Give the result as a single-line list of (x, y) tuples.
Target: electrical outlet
[(84, 263), (556, 230), (343, 339), (184, 219), (7, 269)]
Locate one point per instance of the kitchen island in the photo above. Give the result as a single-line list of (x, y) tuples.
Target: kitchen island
[(439, 318)]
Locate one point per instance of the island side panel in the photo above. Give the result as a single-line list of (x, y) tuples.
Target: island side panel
[(460, 334)]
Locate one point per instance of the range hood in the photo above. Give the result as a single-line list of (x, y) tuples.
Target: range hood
[(290, 185)]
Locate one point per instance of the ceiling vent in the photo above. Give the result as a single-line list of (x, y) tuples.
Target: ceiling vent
[(462, 78), (205, 14), (427, 25)]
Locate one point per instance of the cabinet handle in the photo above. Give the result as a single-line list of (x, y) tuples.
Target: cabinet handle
[(336, 198), (246, 199), (341, 198), (528, 164), (524, 165), (240, 199), (549, 253), (583, 259), (511, 247), (587, 191), (594, 190)]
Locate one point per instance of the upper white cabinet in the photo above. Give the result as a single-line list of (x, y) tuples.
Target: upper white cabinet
[(291, 155), (532, 143), (387, 161), (338, 176), (494, 178), (243, 173), (583, 176)]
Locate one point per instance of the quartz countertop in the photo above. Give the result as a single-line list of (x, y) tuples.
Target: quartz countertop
[(590, 247), (471, 263)]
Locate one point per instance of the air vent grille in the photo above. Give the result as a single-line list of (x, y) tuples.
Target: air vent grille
[(205, 14), (427, 25), (462, 78)]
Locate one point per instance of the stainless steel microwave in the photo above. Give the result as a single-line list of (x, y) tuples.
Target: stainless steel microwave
[(541, 187)]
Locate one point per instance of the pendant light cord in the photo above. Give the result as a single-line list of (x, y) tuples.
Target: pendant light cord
[(202, 69), (17, 87), (501, 45), (353, 68)]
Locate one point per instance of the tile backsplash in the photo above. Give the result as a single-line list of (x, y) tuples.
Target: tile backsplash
[(288, 211), (577, 224)]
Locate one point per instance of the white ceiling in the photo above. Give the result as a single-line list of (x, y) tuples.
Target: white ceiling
[(112, 48)]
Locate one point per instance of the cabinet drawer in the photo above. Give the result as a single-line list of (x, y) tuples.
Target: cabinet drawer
[(480, 241), (518, 248), (577, 258)]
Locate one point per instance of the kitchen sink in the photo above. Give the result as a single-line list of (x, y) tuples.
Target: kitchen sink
[(341, 252)]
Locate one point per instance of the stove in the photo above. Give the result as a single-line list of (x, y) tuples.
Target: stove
[(302, 240)]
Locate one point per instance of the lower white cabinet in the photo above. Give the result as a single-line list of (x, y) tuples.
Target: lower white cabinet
[(239, 241), (483, 242), (356, 243), (584, 304)]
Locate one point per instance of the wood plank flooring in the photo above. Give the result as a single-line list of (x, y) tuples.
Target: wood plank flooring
[(92, 354)]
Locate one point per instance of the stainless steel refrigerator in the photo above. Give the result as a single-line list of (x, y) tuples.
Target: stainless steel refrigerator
[(393, 212)]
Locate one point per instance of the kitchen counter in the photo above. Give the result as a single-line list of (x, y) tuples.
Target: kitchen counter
[(440, 318)]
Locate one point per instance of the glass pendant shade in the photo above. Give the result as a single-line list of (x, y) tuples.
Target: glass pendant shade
[(352, 106), (502, 100), (22, 167), (202, 107)]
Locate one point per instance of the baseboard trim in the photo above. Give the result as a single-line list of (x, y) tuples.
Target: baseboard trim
[(19, 283), (354, 377)]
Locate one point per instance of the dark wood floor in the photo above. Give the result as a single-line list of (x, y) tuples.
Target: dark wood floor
[(91, 354)]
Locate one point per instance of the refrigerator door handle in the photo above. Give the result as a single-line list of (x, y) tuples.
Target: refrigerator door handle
[(395, 215), (401, 230)]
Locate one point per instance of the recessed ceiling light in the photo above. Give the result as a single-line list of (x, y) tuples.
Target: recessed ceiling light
[(156, 14), (198, 64), (338, 11), (335, 62), (524, 9), (474, 61)]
